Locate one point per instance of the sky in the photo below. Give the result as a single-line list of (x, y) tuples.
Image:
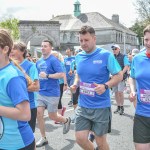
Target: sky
[(45, 9)]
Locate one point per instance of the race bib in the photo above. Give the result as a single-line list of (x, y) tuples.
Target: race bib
[(145, 96), (1, 128), (87, 89)]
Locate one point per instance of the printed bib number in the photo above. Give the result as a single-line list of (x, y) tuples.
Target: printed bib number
[(1, 128), (145, 96), (87, 89)]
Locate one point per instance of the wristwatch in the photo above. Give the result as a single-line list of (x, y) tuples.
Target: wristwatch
[(106, 86), (47, 76)]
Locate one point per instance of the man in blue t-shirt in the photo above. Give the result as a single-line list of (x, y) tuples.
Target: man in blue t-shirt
[(93, 113), (50, 70), (140, 90)]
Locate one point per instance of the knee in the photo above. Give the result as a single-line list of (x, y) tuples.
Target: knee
[(80, 139)]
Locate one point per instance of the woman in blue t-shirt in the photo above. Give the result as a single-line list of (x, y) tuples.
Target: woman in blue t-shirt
[(15, 132)]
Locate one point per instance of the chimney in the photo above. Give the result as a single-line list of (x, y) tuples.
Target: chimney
[(115, 18), (52, 16)]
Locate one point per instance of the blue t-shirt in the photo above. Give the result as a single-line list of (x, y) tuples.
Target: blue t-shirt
[(95, 68), (67, 62), (61, 80), (13, 91), (141, 73), (31, 70), (51, 65)]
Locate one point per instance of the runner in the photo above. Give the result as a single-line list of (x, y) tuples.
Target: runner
[(14, 102)]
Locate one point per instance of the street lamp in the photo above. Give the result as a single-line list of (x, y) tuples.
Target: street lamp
[(124, 42), (142, 40)]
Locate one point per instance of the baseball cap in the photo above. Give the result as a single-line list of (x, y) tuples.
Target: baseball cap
[(115, 46), (135, 51)]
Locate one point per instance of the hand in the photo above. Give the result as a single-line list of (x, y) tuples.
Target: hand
[(99, 88), (132, 96), (42, 74), (73, 88), (65, 87), (70, 72)]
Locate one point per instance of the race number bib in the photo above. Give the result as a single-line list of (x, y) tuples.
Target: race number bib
[(1, 128), (145, 96), (87, 89)]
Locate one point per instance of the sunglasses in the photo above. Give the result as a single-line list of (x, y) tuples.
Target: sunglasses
[(114, 49)]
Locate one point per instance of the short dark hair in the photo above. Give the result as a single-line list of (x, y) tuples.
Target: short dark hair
[(50, 42), (146, 29), (87, 29)]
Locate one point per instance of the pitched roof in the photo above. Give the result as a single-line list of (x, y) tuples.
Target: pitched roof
[(94, 19)]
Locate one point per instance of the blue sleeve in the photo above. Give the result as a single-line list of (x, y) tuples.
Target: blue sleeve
[(72, 65), (132, 73), (33, 73), (17, 93), (126, 61), (63, 67), (113, 66)]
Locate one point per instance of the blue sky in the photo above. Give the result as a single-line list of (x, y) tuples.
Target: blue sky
[(44, 9)]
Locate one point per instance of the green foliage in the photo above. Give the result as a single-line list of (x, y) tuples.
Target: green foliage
[(138, 28), (12, 25), (143, 9)]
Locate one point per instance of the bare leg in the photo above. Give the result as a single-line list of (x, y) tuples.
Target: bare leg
[(82, 140), (102, 142), (40, 120)]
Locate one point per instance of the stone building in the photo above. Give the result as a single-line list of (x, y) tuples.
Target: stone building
[(63, 30), (108, 31)]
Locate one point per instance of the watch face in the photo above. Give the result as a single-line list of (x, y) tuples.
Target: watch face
[(1, 127)]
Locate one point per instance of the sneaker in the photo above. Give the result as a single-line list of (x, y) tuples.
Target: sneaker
[(117, 110), (66, 126), (121, 110), (43, 141), (91, 137), (63, 111)]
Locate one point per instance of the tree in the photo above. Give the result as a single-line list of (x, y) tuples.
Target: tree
[(143, 9), (12, 25), (138, 28)]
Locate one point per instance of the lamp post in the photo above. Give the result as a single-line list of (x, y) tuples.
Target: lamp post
[(124, 42), (142, 40)]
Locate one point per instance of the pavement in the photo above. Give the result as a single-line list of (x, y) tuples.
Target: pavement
[(120, 138)]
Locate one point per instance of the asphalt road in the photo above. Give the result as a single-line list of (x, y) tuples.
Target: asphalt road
[(120, 138)]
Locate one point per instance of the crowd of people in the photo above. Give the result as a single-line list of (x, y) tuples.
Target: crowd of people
[(41, 83)]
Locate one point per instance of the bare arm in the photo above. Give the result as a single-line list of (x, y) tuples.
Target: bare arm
[(125, 69), (100, 88), (53, 76), (73, 87), (132, 84), (20, 112)]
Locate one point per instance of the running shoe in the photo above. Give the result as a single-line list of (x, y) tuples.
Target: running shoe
[(43, 141), (66, 126)]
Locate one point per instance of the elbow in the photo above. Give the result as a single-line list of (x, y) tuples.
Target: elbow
[(26, 117), (121, 76)]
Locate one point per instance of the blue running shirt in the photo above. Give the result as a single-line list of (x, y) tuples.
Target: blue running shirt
[(31, 70), (14, 134), (141, 73), (95, 68), (51, 65)]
